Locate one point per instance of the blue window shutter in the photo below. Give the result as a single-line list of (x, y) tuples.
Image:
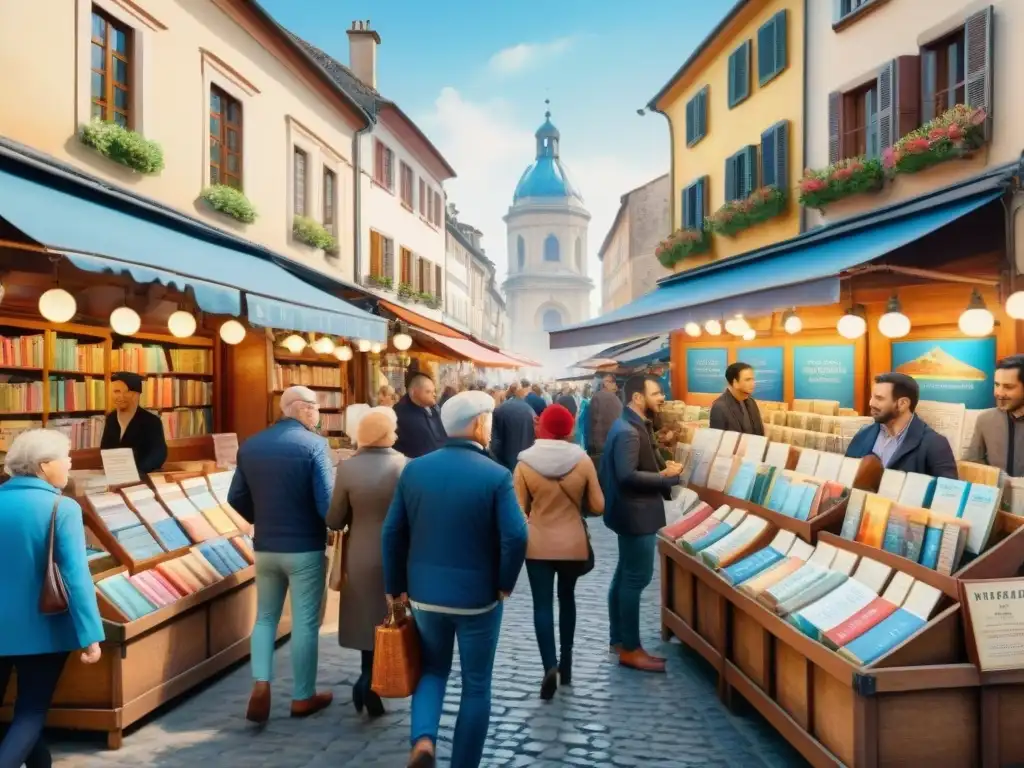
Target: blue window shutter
[(768, 164), (733, 78), (749, 170), (781, 131), (700, 202), (686, 206), (744, 74), (730, 179), (781, 42), (702, 113), (689, 121), (765, 52)]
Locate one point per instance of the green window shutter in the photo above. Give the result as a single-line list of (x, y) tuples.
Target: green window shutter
[(733, 80), (744, 73), (765, 52), (687, 206), (701, 202), (978, 42), (702, 113), (739, 74), (691, 121), (749, 170), (768, 158), (730, 178), (781, 131), (781, 41)]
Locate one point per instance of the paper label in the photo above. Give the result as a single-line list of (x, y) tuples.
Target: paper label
[(119, 466), (225, 449)]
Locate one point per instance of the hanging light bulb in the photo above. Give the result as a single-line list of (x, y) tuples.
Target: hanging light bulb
[(232, 332), (737, 326), (324, 345), (294, 343), (713, 327), (791, 322), (376, 347), (364, 345), (181, 324), (852, 325), (1015, 305), (125, 321), (976, 320), (894, 324), (749, 335), (402, 340), (343, 353), (692, 329), (57, 305)]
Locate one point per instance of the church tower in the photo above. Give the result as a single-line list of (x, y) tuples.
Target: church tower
[(547, 285)]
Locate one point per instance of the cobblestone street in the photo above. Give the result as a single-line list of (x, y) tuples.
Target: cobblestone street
[(609, 717)]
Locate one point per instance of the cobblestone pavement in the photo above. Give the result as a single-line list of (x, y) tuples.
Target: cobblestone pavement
[(609, 717)]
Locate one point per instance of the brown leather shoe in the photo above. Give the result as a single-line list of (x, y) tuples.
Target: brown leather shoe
[(615, 648), (656, 659), (310, 706), (258, 710), (639, 659)]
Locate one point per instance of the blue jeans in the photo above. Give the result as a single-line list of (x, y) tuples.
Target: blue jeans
[(542, 583), (478, 641), (633, 573), (304, 574), (37, 680)]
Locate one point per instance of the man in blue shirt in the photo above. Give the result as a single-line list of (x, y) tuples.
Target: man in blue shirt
[(283, 486)]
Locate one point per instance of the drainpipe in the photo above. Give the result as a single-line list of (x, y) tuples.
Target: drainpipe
[(803, 128), (357, 235)]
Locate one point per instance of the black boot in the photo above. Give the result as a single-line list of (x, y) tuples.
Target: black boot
[(565, 668), (549, 685)]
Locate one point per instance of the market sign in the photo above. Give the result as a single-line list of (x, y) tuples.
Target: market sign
[(950, 370), (705, 370), (824, 373)]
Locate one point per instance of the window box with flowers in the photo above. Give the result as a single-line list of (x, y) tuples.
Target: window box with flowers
[(955, 134), (313, 234), (406, 292), (428, 299), (681, 244), (853, 176), (381, 282), (117, 143), (229, 201), (737, 215)]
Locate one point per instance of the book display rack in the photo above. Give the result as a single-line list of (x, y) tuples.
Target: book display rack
[(175, 583)]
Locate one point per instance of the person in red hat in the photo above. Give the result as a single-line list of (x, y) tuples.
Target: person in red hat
[(556, 482)]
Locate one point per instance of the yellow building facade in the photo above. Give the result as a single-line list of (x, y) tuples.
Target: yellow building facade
[(735, 111)]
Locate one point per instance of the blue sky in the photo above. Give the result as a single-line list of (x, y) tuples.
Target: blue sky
[(475, 81)]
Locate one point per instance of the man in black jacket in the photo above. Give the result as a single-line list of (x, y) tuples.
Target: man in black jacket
[(513, 428), (636, 482), (736, 410), (130, 426), (420, 430)]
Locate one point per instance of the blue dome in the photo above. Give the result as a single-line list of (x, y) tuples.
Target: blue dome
[(546, 177)]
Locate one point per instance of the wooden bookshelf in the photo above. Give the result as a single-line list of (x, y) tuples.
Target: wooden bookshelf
[(333, 396)]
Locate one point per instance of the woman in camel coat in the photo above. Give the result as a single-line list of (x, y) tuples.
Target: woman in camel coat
[(555, 481), (362, 494)]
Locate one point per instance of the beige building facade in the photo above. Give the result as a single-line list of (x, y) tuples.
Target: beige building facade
[(629, 268), (226, 93)]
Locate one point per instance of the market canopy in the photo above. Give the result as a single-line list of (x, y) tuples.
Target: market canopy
[(108, 236), (800, 272), (470, 350), (627, 350)]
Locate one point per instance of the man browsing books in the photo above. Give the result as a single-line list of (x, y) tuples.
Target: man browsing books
[(736, 409), (998, 435), (129, 426), (897, 437)]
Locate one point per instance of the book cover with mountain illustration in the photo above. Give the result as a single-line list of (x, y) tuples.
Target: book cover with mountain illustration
[(950, 371)]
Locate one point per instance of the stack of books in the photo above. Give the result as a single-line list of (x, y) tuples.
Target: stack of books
[(307, 375), (198, 492), (169, 392), (187, 422), (83, 433), (332, 422), (184, 511), (168, 532), (139, 359), (21, 351), (225, 558), (67, 354), (86, 394), (20, 396), (191, 360), (125, 526)]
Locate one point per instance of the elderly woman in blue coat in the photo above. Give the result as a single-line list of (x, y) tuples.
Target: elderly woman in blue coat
[(36, 645)]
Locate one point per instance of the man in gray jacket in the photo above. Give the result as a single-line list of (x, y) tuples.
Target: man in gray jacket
[(998, 435), (605, 407)]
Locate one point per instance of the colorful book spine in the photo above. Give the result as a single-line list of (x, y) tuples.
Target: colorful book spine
[(896, 530), (687, 523), (854, 510), (914, 544), (949, 497), (815, 591), (932, 542), (855, 626), (770, 576), (720, 531), (874, 520), (882, 638), (747, 568)]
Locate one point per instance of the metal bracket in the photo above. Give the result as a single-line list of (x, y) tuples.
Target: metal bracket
[(864, 685)]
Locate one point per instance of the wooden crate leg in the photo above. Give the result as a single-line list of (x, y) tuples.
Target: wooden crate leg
[(115, 739)]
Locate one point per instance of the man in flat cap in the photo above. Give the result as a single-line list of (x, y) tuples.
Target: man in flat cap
[(129, 426)]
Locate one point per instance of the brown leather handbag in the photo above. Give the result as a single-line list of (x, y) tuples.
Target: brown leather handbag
[(396, 655), (54, 597)]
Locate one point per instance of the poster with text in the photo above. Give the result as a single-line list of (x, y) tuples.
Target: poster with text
[(767, 365), (950, 370), (824, 373), (705, 370)]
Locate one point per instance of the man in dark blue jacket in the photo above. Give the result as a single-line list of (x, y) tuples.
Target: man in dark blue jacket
[(283, 486), (534, 398), (636, 482), (419, 419), (514, 429), (900, 439), (454, 542)]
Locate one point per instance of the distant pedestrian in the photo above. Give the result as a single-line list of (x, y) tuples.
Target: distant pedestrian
[(447, 393), (35, 645), (568, 402), (604, 410), (283, 486), (513, 431), (386, 396), (534, 398), (583, 417), (454, 543), (636, 482), (419, 419), (555, 482), (363, 490)]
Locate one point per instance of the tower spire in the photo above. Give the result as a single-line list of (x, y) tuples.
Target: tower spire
[(547, 109)]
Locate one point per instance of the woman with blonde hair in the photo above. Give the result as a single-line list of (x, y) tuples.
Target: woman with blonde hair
[(363, 490), (386, 396), (37, 645)]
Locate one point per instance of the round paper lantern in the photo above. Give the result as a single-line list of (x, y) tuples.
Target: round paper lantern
[(324, 345), (294, 343), (1015, 305), (692, 329), (181, 324), (976, 320), (125, 321), (57, 305), (852, 325), (364, 345), (402, 341), (343, 353), (792, 323), (894, 324), (713, 327), (232, 332)]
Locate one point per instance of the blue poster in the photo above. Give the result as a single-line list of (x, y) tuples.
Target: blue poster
[(950, 370), (767, 365), (705, 370), (824, 373)]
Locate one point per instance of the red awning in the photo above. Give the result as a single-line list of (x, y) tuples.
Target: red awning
[(473, 351), (412, 318)]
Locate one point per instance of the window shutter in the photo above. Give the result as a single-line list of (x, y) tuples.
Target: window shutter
[(438, 280), (702, 113), (749, 170), (907, 101), (734, 58), (730, 178), (781, 131), (837, 11), (700, 202), (691, 120), (744, 73), (978, 41), (886, 91), (389, 258), (929, 78), (835, 127), (684, 220), (768, 158), (375, 254), (765, 52), (781, 42)]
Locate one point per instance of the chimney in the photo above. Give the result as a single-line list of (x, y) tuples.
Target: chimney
[(362, 52)]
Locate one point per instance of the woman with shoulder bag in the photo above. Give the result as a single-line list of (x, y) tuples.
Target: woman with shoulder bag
[(555, 481), (46, 616), (363, 491)]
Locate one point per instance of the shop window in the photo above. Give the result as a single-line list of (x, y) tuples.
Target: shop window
[(225, 139), (384, 166), (111, 62), (551, 250), (330, 183), (741, 174), (739, 74), (694, 204), (943, 75), (521, 252), (697, 117), (406, 185), (860, 128), (772, 54), (299, 181), (775, 156)]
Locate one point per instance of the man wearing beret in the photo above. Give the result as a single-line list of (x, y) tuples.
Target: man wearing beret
[(129, 426)]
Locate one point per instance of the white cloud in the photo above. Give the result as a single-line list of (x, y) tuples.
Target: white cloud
[(490, 146), (518, 58)]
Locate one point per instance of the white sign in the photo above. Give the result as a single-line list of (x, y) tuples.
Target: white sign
[(119, 466)]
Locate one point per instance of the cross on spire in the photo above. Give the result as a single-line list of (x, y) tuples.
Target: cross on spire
[(547, 109)]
